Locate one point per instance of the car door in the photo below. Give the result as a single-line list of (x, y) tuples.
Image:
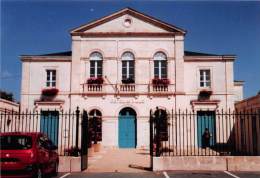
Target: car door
[(52, 155), (43, 153)]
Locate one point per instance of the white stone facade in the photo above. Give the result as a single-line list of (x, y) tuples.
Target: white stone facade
[(143, 36)]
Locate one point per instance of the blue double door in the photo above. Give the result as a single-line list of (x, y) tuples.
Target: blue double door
[(127, 131), (49, 125), (206, 121)]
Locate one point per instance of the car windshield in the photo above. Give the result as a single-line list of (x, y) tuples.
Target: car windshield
[(15, 142)]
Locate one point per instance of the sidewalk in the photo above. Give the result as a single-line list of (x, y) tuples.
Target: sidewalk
[(120, 160)]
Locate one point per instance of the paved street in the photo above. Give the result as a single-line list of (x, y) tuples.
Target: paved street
[(166, 174)]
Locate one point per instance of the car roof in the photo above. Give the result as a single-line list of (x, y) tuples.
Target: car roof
[(33, 134)]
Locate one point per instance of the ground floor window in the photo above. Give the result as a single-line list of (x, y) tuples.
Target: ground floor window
[(95, 125), (161, 124)]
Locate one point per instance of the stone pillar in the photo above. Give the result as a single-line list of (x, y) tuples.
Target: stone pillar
[(179, 63), (76, 71), (25, 85)]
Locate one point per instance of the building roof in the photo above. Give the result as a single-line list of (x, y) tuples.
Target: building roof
[(132, 12)]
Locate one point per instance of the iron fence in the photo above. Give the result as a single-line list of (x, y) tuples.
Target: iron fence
[(204, 133), (63, 128)]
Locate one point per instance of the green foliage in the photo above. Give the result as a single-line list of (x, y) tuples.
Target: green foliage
[(6, 95)]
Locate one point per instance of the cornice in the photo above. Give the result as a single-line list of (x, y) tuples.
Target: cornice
[(45, 58)]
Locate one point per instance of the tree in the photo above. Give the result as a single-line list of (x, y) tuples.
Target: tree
[(7, 96)]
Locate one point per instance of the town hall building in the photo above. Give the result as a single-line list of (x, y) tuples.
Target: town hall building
[(122, 66)]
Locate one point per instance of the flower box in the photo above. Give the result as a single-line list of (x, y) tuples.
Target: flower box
[(204, 95), (94, 80), (162, 81), (50, 92), (128, 81)]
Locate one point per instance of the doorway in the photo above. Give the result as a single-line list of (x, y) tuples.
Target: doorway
[(127, 128)]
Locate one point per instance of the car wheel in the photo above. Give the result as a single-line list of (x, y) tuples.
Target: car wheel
[(38, 173)]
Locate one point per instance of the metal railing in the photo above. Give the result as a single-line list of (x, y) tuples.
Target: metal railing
[(63, 128), (204, 133)]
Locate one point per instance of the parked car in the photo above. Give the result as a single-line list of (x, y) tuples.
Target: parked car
[(26, 154)]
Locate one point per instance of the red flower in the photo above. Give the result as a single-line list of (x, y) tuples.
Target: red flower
[(205, 92), (204, 95), (94, 80), (162, 81)]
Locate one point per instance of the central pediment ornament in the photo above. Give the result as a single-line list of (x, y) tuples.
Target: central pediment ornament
[(127, 22)]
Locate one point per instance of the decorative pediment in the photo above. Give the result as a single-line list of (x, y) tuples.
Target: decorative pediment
[(127, 22)]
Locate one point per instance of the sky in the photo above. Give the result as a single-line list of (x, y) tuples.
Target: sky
[(40, 27)]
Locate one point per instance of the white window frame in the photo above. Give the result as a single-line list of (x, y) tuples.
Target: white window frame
[(204, 80), (160, 59), (127, 57), (51, 81), (95, 57)]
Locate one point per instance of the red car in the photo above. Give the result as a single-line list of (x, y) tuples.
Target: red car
[(26, 154)]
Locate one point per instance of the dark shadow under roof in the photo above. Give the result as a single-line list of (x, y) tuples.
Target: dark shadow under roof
[(68, 53), (64, 53), (191, 53)]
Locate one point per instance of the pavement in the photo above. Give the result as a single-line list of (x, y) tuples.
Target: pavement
[(134, 163), (120, 160), (165, 174)]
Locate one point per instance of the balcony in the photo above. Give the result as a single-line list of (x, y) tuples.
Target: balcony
[(92, 88), (160, 88), (127, 88)]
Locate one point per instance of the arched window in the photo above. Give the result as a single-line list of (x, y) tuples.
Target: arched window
[(128, 67), (161, 124), (160, 65), (96, 61), (95, 125)]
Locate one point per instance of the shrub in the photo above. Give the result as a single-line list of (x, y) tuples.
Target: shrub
[(162, 81), (94, 80)]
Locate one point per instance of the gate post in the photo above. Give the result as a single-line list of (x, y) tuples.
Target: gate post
[(84, 141), (151, 139), (77, 128), (157, 132)]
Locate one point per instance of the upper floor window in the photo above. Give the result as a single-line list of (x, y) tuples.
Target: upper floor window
[(96, 60), (51, 78), (128, 67), (205, 78), (160, 65)]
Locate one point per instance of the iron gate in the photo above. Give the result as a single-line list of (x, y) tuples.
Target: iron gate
[(204, 133)]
